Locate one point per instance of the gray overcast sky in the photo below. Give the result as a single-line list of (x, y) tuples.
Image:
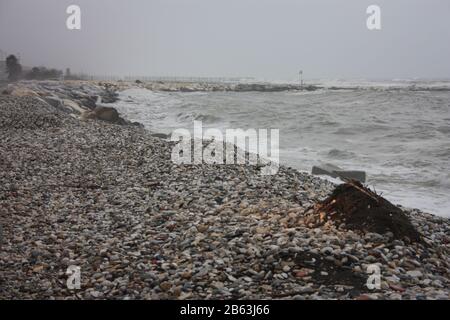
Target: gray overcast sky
[(269, 39)]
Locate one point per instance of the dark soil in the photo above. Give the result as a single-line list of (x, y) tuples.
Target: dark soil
[(336, 275), (362, 209), (352, 283)]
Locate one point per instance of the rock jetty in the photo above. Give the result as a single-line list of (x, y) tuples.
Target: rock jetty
[(173, 86)]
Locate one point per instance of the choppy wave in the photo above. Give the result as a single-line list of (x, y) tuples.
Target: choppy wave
[(340, 154), (386, 85)]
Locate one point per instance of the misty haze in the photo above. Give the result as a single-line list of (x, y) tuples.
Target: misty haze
[(263, 39)]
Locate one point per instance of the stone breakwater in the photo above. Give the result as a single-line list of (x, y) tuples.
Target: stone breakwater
[(107, 198), (173, 86), (80, 99), (86, 93)]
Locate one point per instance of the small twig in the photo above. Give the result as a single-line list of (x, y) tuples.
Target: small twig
[(366, 191)]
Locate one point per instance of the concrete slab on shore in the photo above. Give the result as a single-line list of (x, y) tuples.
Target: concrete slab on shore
[(337, 172)]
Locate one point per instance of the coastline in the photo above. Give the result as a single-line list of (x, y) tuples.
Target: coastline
[(107, 198)]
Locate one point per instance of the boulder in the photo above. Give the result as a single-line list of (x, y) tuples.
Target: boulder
[(89, 102), (109, 96), (86, 115), (53, 101), (336, 172), (75, 107), (108, 114)]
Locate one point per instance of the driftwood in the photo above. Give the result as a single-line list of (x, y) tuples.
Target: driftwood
[(362, 209)]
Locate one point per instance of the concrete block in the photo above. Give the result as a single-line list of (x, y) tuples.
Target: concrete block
[(336, 172)]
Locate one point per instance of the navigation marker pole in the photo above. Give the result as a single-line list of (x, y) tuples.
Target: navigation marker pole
[(300, 78)]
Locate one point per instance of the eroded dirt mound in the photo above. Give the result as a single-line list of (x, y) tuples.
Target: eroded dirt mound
[(362, 209)]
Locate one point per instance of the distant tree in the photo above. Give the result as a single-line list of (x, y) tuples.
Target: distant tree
[(13, 67), (54, 74), (42, 73), (34, 73)]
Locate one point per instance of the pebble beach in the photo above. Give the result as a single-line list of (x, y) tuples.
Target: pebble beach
[(107, 198)]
